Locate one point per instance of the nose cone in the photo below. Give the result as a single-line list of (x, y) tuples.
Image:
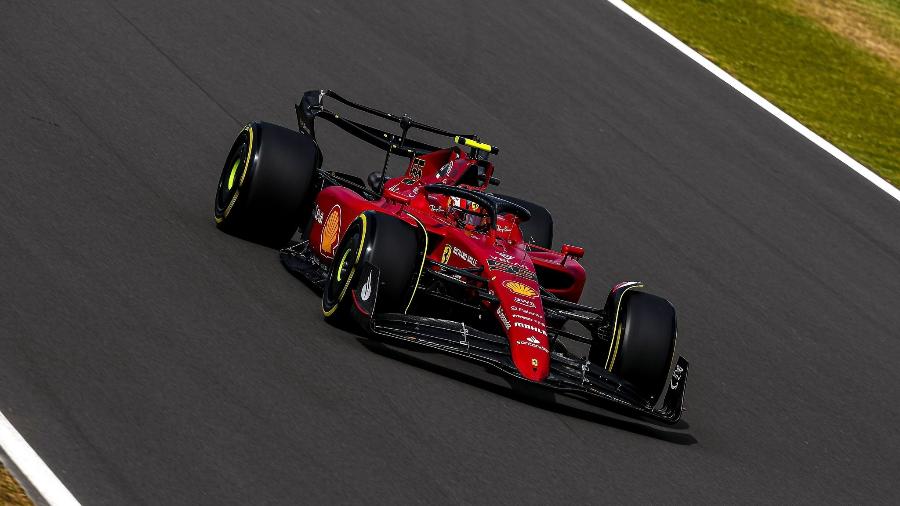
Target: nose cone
[(522, 315), (533, 363)]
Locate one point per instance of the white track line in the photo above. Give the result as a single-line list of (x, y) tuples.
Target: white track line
[(30, 464), (758, 100)]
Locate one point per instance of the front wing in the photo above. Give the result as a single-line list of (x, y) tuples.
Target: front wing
[(568, 375)]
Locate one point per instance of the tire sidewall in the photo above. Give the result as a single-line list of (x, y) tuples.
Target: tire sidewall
[(388, 244), (647, 345), (275, 187)]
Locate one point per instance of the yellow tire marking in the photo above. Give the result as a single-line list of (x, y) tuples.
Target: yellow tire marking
[(617, 332), (422, 266), (249, 130)]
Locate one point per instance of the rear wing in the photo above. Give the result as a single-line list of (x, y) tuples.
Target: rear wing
[(312, 106)]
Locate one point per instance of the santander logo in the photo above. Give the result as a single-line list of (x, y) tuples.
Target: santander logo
[(534, 343)]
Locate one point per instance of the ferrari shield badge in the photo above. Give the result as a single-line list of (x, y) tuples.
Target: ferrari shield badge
[(445, 256)]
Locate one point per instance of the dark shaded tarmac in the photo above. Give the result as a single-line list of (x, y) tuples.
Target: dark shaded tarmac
[(150, 359)]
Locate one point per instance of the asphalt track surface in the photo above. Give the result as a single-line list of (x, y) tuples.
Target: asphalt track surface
[(150, 359)]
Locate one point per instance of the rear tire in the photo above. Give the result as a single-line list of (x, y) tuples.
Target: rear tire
[(647, 342), (266, 184), (539, 229), (387, 243)]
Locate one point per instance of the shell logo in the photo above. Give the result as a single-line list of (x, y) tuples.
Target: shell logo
[(519, 288), (331, 229)]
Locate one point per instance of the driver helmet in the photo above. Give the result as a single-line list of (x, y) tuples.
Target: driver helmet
[(458, 206)]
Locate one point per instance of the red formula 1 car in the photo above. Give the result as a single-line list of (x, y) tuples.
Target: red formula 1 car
[(435, 259)]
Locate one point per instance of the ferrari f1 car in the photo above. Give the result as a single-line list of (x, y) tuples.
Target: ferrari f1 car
[(433, 258)]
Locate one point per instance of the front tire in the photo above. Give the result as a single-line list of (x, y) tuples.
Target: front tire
[(645, 344), (386, 243), (266, 184)]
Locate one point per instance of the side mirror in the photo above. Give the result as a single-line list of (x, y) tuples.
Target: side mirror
[(571, 251)]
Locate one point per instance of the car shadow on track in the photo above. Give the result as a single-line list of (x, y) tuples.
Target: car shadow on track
[(399, 352)]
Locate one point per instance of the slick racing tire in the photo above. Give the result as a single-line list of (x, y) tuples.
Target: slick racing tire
[(266, 184), (645, 342), (386, 243), (537, 230)]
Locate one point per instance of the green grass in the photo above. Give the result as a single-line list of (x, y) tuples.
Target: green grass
[(11, 493), (829, 63)]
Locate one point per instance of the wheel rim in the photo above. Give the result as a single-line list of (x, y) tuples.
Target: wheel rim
[(342, 270), (343, 267), (230, 180), (234, 169)]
